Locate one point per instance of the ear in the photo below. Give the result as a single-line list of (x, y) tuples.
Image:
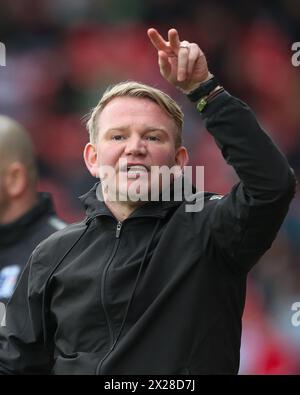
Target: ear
[(90, 158), (16, 179), (181, 156)]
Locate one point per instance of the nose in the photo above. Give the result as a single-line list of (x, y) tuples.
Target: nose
[(135, 146)]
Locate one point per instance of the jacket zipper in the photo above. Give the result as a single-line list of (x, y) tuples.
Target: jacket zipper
[(100, 365), (118, 231)]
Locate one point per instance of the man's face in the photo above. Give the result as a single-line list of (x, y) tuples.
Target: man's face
[(139, 131)]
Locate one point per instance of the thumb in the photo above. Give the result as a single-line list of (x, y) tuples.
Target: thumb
[(164, 65)]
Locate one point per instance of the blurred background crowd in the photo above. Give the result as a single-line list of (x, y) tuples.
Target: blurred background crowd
[(62, 54)]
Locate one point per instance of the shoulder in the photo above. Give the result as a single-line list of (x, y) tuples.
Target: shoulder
[(198, 211), (45, 226), (49, 253), (55, 223), (62, 238), (202, 201), (51, 250)]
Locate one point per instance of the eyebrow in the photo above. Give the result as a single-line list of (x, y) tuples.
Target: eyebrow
[(125, 128)]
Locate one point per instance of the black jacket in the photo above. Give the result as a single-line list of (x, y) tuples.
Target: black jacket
[(19, 238), (163, 292)]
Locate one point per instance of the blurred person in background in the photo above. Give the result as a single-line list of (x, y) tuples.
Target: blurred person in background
[(26, 216), (171, 283)]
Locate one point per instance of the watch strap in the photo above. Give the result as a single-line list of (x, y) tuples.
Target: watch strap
[(203, 90)]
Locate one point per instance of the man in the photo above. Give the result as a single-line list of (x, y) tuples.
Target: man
[(147, 287), (26, 217)]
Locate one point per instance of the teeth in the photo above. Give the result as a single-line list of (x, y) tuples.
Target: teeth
[(137, 168)]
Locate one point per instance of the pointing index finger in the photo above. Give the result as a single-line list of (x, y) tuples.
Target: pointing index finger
[(159, 43)]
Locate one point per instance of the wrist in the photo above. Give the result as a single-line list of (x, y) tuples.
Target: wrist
[(198, 84), (207, 91), (204, 89), (209, 77), (205, 100)]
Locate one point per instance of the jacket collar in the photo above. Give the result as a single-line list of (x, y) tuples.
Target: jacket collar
[(15, 230), (97, 207)]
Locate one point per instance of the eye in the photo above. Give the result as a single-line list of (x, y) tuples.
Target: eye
[(153, 138), (118, 137)]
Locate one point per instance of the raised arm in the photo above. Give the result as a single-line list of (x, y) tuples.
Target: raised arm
[(244, 223)]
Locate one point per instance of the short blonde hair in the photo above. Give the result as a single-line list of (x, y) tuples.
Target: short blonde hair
[(136, 89)]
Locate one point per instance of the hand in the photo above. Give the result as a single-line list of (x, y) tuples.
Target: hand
[(181, 63)]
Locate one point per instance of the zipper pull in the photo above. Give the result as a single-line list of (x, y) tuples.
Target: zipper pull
[(118, 231)]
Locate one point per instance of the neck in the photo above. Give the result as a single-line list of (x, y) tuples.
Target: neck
[(122, 210), (17, 207)]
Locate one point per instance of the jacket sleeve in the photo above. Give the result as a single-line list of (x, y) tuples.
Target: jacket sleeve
[(22, 345), (245, 222)]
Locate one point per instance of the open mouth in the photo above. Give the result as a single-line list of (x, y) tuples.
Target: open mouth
[(134, 171)]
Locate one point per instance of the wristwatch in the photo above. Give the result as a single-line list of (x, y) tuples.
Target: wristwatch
[(204, 89)]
